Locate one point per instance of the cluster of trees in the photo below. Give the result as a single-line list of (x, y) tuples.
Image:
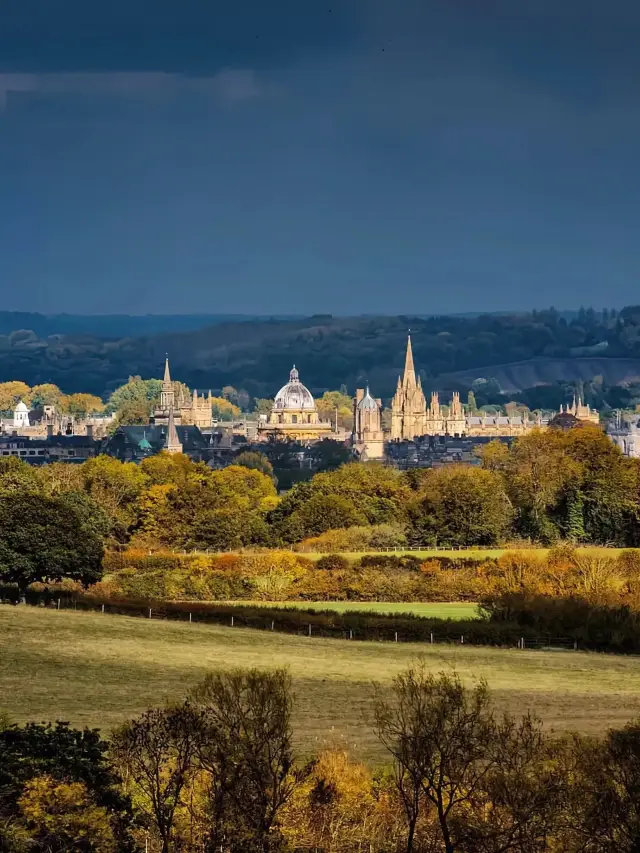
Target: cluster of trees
[(80, 404), (219, 772), (548, 486)]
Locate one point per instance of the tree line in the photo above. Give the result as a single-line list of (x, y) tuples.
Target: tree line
[(549, 486), (220, 771)]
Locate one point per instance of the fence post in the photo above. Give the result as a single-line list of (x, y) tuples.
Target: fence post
[(232, 621), (149, 613), (431, 637), (462, 640), (189, 618), (273, 624), (58, 604), (522, 643), (396, 636), (350, 633), (103, 608), (309, 628)]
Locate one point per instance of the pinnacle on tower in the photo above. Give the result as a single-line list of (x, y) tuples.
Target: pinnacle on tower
[(167, 375)]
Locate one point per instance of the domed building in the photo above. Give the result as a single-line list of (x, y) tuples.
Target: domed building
[(21, 415), (294, 414), (367, 438)]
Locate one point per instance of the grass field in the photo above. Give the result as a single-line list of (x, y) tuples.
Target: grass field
[(436, 610), (98, 670)]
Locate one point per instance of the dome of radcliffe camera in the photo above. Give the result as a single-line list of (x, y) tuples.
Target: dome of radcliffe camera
[(294, 395)]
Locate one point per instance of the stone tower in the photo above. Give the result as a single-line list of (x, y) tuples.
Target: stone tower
[(367, 438), (409, 407), (456, 421)]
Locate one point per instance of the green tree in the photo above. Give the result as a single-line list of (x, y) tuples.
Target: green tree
[(17, 476), (46, 539), (263, 406), (257, 461), (461, 505), (471, 403), (326, 512), (137, 395)]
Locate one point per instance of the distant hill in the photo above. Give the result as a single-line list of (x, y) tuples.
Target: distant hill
[(257, 353), (113, 325)]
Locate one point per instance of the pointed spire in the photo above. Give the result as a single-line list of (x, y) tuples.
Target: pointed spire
[(172, 442), (195, 397), (409, 369), (167, 374)]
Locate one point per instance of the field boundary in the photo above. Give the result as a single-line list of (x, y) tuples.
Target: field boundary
[(354, 625)]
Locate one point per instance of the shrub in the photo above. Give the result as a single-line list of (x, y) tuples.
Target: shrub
[(332, 562)]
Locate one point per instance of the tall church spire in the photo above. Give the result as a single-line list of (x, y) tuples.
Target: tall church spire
[(167, 394), (172, 442), (409, 377)]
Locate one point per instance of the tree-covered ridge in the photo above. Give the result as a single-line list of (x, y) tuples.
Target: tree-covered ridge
[(257, 355)]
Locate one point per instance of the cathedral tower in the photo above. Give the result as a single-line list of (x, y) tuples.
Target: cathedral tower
[(409, 407)]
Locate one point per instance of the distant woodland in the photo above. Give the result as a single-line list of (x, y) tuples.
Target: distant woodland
[(547, 351)]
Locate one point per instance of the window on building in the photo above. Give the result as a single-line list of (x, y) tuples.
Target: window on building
[(294, 419)]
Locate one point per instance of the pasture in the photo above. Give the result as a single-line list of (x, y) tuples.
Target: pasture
[(98, 670), (433, 610)]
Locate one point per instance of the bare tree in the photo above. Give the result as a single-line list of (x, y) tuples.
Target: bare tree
[(472, 783), (245, 746), (157, 752)]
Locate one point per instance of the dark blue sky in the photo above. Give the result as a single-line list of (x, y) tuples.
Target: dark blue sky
[(299, 156)]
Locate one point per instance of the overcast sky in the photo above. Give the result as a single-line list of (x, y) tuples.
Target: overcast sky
[(334, 156)]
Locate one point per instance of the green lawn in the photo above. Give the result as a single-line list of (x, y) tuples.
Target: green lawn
[(98, 670), (443, 610)]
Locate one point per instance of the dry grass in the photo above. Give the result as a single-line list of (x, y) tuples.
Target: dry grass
[(98, 670)]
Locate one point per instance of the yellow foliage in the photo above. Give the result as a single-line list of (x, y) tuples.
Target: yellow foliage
[(65, 814)]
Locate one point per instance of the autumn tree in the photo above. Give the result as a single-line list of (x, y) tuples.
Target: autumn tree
[(333, 402), (62, 816), (82, 405), (11, 393), (62, 756), (251, 459), (156, 753), (224, 410), (47, 395)]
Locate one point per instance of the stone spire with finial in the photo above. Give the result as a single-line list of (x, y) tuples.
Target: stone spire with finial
[(167, 394), (172, 443)]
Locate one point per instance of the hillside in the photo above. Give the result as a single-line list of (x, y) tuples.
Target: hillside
[(257, 354), (100, 670)]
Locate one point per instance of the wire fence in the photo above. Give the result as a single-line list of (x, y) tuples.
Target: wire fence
[(319, 624)]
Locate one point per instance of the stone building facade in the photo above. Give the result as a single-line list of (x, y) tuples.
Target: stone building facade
[(187, 409), (368, 437), (294, 415)]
